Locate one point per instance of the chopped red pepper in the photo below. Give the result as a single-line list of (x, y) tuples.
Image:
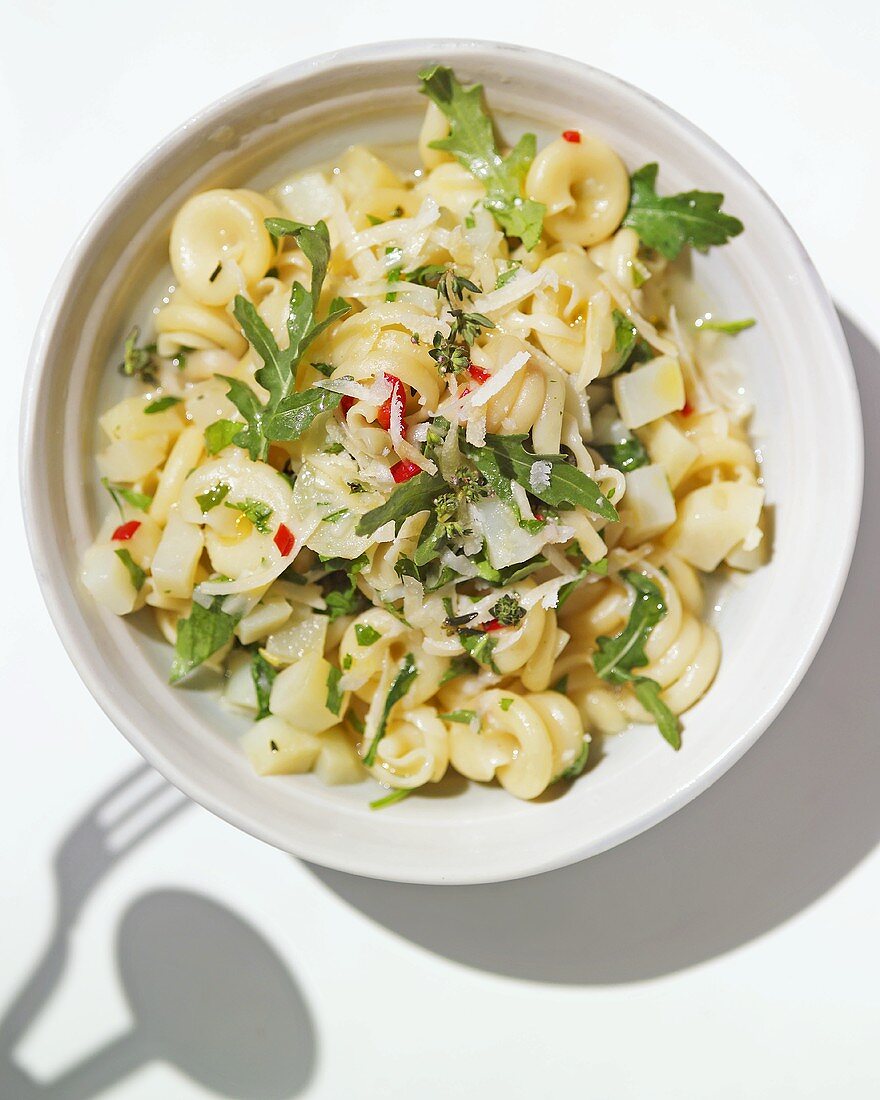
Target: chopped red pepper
[(539, 516), (125, 531), (464, 392), (398, 397), (687, 409), (284, 540), (493, 624), (574, 136), (345, 404), (403, 470), (478, 373)]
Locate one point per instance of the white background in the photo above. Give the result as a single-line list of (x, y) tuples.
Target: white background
[(732, 951)]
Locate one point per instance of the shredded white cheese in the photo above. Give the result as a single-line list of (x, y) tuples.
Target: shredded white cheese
[(539, 476)]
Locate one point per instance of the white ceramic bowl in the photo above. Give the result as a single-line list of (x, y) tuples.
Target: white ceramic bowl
[(807, 425)]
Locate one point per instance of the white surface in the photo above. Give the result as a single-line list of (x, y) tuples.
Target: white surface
[(731, 951), (480, 835)]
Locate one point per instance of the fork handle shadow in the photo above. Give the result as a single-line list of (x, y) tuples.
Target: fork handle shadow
[(32, 996)]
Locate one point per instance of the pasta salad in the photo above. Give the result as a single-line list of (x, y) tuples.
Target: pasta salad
[(424, 466)]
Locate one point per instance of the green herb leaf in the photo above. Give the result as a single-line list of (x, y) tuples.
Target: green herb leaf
[(323, 368), (615, 658), (400, 685), (505, 276), (138, 576), (472, 142), (505, 703), (628, 455), (587, 567), (198, 637), (161, 404), (138, 362), (503, 459), (335, 517), (729, 328), (334, 695), (461, 665), (463, 717), (366, 634), (263, 675), (257, 511), (670, 222), (212, 497), (220, 434), (296, 412), (415, 495), (479, 645), (389, 799), (119, 493)]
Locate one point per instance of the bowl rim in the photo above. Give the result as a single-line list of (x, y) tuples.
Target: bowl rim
[(88, 666)]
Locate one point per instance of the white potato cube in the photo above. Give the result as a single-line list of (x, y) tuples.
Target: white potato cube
[(649, 506), (338, 761), (649, 391), (240, 691), (304, 632), (670, 448), (274, 747), (713, 520), (299, 694), (107, 579), (132, 459), (269, 615), (176, 559), (128, 420)]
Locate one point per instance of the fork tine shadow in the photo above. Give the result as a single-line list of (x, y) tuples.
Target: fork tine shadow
[(794, 816), (208, 993)]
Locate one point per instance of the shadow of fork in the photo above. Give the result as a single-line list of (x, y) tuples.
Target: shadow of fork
[(117, 822)]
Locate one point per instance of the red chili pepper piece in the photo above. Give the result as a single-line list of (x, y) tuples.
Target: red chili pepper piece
[(478, 373), (574, 136), (687, 409), (539, 516), (345, 404), (284, 540), (464, 392), (403, 471), (493, 624), (398, 397), (124, 532)]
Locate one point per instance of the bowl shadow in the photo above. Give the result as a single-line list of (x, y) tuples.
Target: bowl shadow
[(794, 816)]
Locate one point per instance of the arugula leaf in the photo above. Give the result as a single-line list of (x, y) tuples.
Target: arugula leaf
[(389, 799), (627, 455), (587, 567), (577, 765), (323, 368), (400, 685), (334, 695), (479, 645), (214, 495), (729, 328), (138, 362), (615, 658), (220, 434), (277, 375), (667, 223), (503, 459), (138, 576), (366, 634), (415, 495), (257, 511), (161, 404), (510, 574), (296, 412), (263, 675), (472, 142), (119, 493), (462, 665), (198, 637)]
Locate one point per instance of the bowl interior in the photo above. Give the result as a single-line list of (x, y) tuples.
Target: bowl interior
[(794, 365)]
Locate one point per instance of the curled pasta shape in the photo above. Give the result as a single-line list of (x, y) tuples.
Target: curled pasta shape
[(585, 187), (512, 745), (187, 323), (219, 244), (516, 408), (368, 662), (371, 188), (414, 750), (452, 186)]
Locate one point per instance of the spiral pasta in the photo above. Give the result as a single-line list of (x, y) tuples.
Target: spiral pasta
[(428, 474)]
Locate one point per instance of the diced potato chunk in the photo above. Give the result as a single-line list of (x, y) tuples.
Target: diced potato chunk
[(648, 506), (274, 747), (269, 615), (106, 577), (128, 420), (338, 761), (649, 391), (176, 559), (132, 459), (299, 694), (670, 448)]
